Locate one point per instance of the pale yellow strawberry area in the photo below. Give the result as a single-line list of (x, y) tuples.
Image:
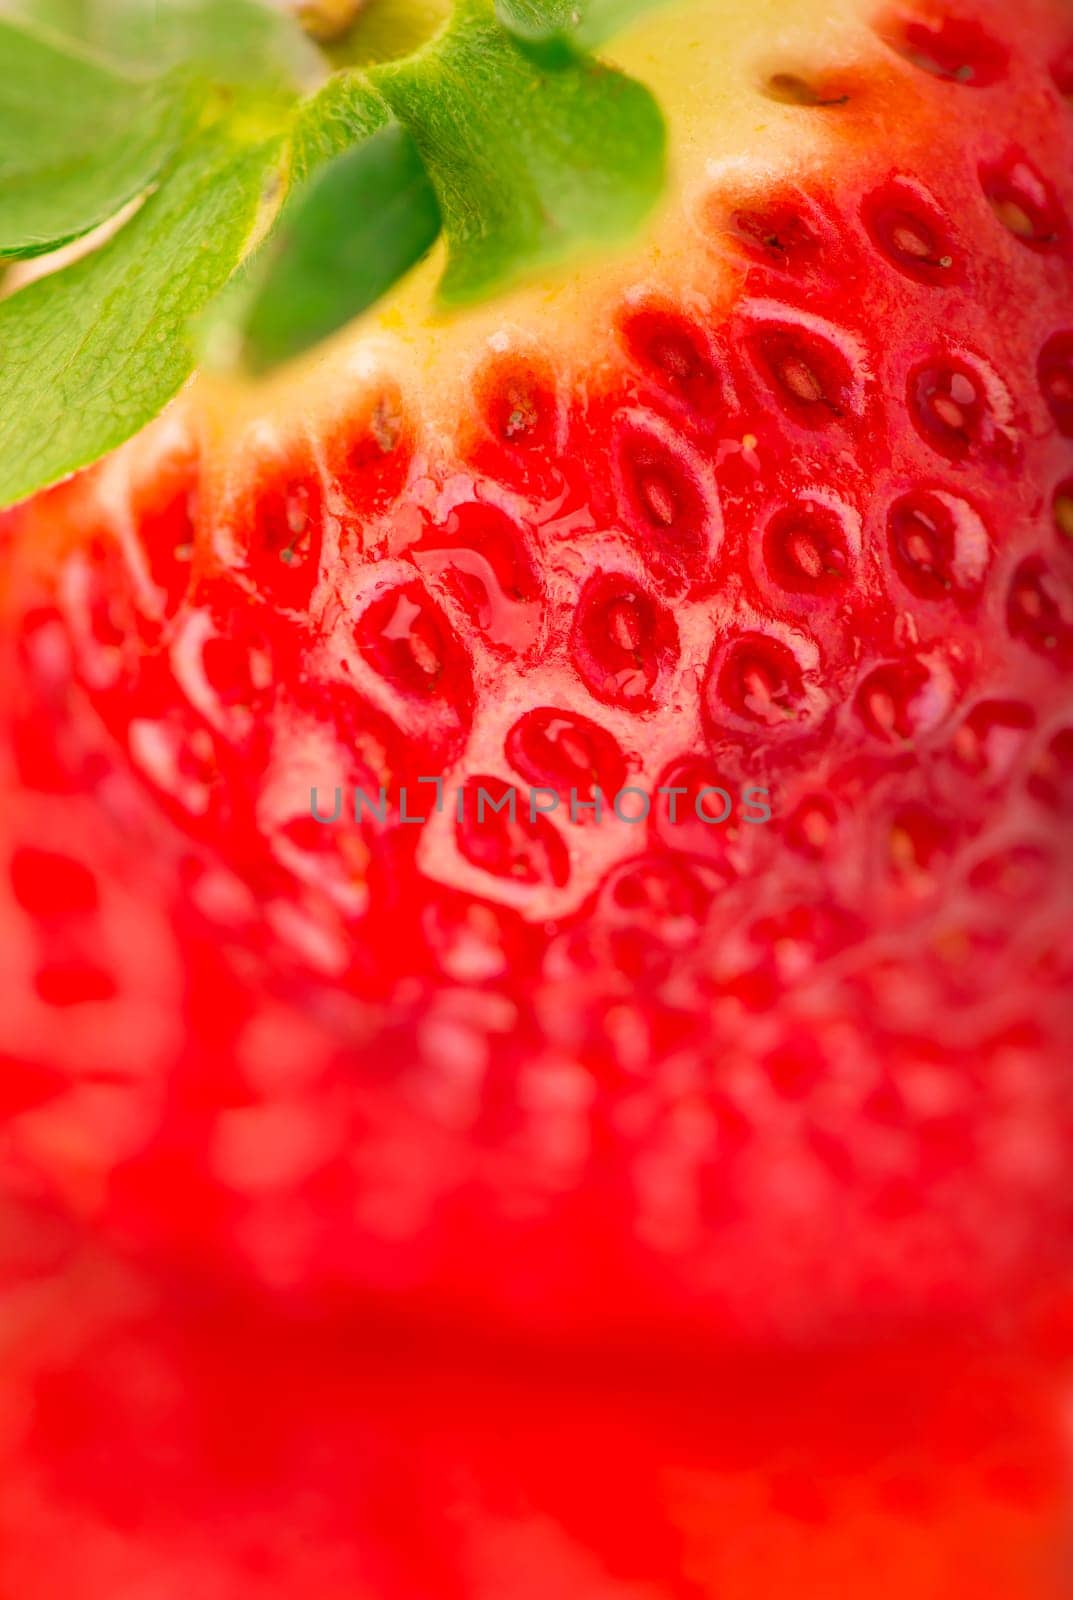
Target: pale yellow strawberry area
[(710, 63)]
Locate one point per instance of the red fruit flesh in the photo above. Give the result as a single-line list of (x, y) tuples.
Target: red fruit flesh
[(788, 530), (161, 1444)]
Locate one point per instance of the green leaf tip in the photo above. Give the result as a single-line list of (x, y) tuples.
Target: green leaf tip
[(345, 236)]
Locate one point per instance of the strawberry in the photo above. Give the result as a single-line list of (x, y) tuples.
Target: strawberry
[(683, 639)]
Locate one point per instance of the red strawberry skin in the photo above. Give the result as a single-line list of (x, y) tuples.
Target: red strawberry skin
[(795, 519), (153, 1443)]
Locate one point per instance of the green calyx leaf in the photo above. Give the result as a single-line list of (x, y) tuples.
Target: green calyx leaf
[(77, 139), (524, 166), (521, 148), (237, 42), (530, 166), (93, 352), (344, 238)]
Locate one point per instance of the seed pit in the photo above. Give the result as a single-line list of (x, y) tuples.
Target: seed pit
[(283, 532), (900, 701), (406, 639), (806, 550), (1039, 610), (1055, 372), (1063, 509), (369, 455), (478, 557), (992, 736), (286, 524), (812, 381), (911, 233), (164, 510), (562, 750), (665, 495), (672, 352), (791, 89), (497, 834), (918, 841), (98, 603), (951, 49), (938, 544), (794, 1070), (622, 641), (777, 233), (811, 827), (519, 403), (237, 670), (1051, 780), (178, 756), (760, 681), (662, 893), (695, 809), (953, 411), (1023, 202)]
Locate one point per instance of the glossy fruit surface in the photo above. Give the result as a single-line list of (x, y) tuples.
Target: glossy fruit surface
[(772, 514)]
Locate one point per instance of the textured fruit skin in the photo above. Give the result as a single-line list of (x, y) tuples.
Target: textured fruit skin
[(801, 524), (161, 1444)]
